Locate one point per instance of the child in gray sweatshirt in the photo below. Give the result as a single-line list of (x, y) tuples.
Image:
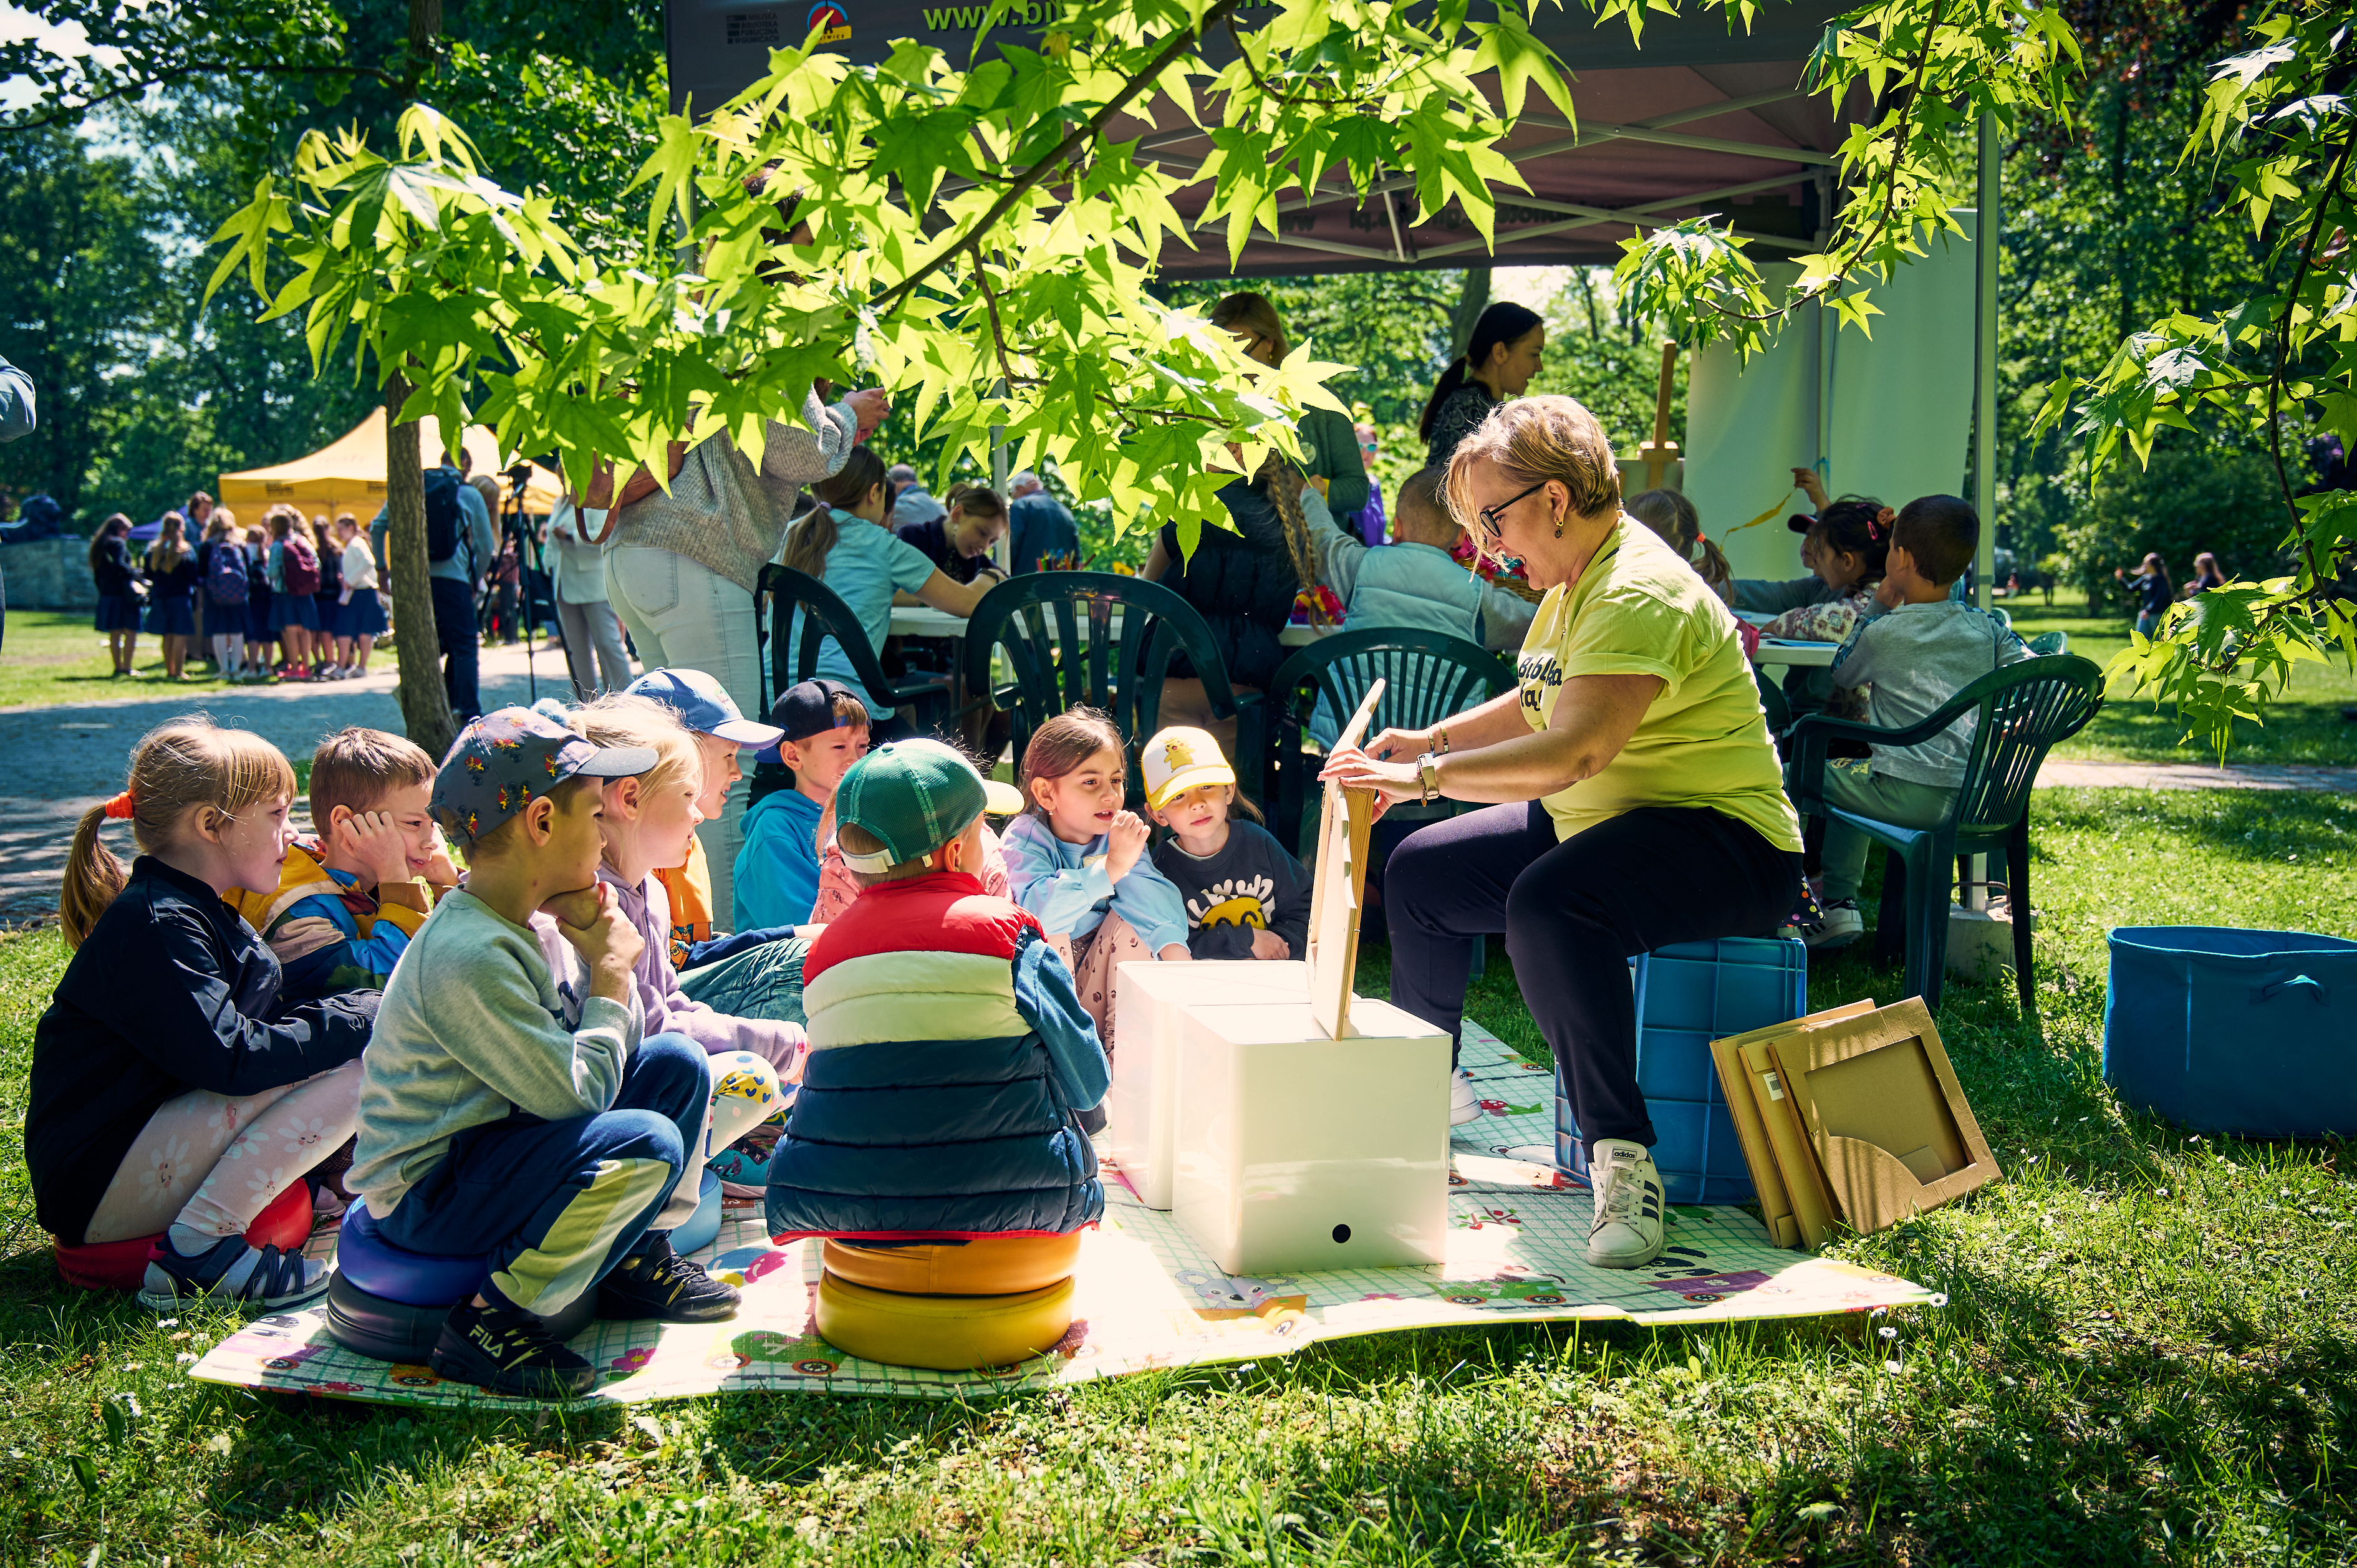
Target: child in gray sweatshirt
[(1913, 649)]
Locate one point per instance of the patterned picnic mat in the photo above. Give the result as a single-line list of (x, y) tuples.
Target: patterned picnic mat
[(1148, 1296)]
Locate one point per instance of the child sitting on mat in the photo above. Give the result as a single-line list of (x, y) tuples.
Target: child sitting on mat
[(722, 731), (1078, 861), (823, 728), (1915, 648), (173, 1088), (1246, 896), (349, 900), (949, 1051), (561, 1155)]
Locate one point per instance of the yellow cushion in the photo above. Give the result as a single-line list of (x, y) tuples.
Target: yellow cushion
[(991, 1265), (947, 1332)]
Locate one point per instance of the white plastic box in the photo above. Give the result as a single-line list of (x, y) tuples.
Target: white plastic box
[(1142, 1106), (1297, 1153)]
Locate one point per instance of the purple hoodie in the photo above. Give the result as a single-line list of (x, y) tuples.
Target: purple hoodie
[(667, 1009)]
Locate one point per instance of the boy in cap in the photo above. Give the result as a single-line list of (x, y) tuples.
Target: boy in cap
[(721, 731), (562, 1157), (1246, 896), (950, 1003), (823, 730)]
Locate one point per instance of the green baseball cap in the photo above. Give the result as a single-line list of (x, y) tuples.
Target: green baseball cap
[(915, 795)]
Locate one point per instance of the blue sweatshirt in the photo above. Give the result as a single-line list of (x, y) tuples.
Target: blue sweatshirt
[(1066, 886), (777, 870)]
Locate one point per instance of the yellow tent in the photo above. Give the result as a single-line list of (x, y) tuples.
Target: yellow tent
[(348, 475)]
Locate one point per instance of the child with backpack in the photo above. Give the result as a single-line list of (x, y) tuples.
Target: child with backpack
[(224, 589), (293, 569)]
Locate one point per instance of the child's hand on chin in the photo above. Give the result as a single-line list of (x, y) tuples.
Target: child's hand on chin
[(578, 909)]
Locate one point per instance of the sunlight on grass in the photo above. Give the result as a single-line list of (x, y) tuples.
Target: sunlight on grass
[(2149, 1353)]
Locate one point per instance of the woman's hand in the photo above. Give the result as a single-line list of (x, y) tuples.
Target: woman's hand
[(870, 407), (1394, 743), (1353, 769)]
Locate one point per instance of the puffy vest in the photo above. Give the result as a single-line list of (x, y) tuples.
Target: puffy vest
[(930, 1107), (1417, 586)]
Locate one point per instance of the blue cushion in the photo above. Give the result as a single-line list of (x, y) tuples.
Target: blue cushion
[(702, 1228), (414, 1279)]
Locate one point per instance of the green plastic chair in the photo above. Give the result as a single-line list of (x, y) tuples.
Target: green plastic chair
[(1771, 701), (2019, 712), (1428, 675), (2046, 644), (782, 590), (1038, 619)]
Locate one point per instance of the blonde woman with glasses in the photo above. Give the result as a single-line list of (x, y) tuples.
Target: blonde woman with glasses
[(1632, 799)]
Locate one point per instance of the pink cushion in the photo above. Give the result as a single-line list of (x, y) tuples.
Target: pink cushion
[(284, 1223)]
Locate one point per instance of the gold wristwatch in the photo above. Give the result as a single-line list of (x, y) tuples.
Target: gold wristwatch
[(1428, 776)]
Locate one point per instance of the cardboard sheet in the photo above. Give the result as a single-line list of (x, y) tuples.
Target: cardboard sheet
[(1150, 1298)]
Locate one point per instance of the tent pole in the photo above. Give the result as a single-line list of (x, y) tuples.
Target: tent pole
[(1988, 241)]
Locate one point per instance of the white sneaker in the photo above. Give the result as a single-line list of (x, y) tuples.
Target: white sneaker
[(1626, 1233), (1464, 1105)]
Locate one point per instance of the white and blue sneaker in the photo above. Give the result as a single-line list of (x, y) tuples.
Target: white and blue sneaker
[(1626, 1233), (1464, 1105), (231, 1270)]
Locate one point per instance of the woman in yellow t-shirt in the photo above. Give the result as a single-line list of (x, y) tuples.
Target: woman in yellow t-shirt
[(1639, 800)]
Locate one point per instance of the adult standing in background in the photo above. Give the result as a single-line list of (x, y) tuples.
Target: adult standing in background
[(198, 511), (1505, 353), (2206, 576), (360, 612), (1330, 456), (959, 541), (2153, 591), (454, 512), (682, 565), (1037, 525), (594, 655), (911, 502), (16, 419)]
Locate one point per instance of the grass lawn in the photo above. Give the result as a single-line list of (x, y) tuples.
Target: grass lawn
[(2304, 725), (2148, 1354), (53, 658)]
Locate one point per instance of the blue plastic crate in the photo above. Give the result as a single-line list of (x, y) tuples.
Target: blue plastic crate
[(1689, 995)]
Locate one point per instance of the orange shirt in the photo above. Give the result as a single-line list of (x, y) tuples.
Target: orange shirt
[(690, 887)]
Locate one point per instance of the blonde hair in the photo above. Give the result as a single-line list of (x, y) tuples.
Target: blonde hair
[(171, 546), (1532, 440), (1061, 744), (619, 718), (1281, 482), (174, 769), (358, 768)]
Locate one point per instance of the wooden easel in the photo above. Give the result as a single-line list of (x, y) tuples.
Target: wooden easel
[(1661, 452), (1345, 819)]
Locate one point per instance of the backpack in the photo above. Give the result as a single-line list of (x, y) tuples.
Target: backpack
[(225, 573), (444, 520), (301, 567)]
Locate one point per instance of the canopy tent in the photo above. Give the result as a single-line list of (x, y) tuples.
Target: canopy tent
[(348, 473), (1700, 120)]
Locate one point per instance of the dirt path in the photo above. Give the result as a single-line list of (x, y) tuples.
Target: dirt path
[(57, 762), (2058, 774)]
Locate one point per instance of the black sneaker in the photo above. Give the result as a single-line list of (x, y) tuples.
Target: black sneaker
[(661, 1284), (1841, 925), (507, 1350)]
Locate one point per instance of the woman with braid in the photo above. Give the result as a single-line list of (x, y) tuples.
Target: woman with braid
[(1241, 578)]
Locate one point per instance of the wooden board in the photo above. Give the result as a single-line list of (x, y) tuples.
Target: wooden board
[(1339, 885)]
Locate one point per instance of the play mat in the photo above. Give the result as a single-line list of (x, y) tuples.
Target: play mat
[(1148, 1297)]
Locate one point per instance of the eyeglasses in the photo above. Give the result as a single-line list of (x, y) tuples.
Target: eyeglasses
[(1493, 517)]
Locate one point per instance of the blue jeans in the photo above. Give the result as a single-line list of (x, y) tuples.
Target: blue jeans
[(453, 630), (553, 1205)]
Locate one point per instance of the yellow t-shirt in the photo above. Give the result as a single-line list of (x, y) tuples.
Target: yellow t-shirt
[(690, 887), (1638, 609)]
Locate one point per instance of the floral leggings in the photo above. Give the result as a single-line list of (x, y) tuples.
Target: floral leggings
[(213, 1162), (1092, 960)]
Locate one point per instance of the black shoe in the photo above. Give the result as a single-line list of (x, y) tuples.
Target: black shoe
[(661, 1284), (508, 1352)]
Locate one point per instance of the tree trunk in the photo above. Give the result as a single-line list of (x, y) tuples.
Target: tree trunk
[(424, 705), (1471, 303)]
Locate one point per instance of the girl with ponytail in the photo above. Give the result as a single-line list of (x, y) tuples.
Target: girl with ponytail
[(846, 541), (1496, 365), (175, 1094)]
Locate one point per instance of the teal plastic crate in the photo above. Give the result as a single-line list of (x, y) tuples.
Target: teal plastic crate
[(1689, 995)]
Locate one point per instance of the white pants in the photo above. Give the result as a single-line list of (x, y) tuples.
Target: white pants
[(594, 654), (686, 615)]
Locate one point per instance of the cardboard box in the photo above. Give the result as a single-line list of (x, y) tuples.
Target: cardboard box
[(1852, 1116), (1142, 1106)]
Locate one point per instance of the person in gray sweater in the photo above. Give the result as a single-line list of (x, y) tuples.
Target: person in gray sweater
[(1914, 649), (562, 1156)]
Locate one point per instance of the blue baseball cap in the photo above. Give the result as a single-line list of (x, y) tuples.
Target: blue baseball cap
[(503, 759), (703, 704)]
